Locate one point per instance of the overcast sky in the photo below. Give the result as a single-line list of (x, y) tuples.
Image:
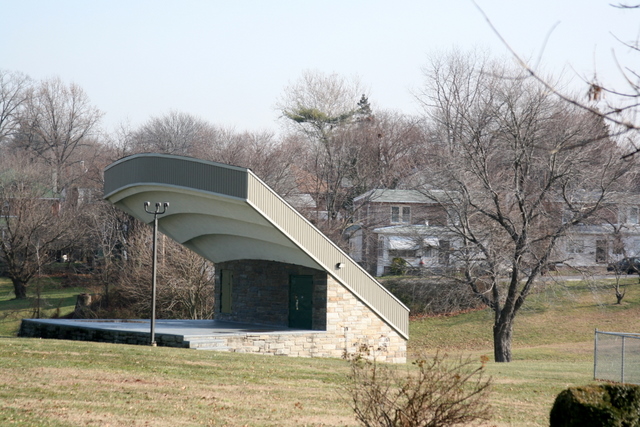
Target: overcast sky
[(229, 61)]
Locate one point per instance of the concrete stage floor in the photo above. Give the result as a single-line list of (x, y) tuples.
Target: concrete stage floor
[(170, 327)]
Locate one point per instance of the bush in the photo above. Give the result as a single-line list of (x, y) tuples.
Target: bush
[(432, 295), (615, 405), (439, 392), (399, 266)]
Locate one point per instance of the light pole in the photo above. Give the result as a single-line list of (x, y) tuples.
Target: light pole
[(161, 208)]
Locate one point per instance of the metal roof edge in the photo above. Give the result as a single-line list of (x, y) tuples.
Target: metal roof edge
[(177, 157)]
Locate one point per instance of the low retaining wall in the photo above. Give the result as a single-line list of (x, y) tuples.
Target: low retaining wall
[(335, 343), (34, 328)]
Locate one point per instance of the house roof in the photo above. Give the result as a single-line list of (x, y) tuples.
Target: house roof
[(621, 198), (393, 196), (301, 201), (381, 195), (226, 213)]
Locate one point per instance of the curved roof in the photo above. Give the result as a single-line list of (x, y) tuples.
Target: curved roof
[(226, 213)]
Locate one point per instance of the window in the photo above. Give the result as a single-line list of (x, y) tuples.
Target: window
[(618, 246), (453, 218), (400, 214), (429, 252), (633, 215), (602, 251), (575, 246), (395, 214), (443, 255)]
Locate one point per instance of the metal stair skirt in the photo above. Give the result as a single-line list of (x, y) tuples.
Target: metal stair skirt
[(207, 343)]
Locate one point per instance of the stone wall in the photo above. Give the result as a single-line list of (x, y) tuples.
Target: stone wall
[(352, 324), (343, 321), (41, 328), (349, 325)]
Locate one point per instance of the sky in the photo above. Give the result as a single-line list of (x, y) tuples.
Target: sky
[(228, 62)]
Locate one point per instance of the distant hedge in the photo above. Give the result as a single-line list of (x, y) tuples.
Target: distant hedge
[(432, 295)]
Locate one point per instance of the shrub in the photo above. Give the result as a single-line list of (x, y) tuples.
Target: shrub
[(439, 392), (399, 266), (615, 405), (437, 295)]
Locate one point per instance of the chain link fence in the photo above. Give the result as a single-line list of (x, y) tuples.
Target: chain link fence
[(617, 357)]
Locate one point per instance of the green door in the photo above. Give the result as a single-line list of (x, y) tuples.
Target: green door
[(226, 290), (300, 302)]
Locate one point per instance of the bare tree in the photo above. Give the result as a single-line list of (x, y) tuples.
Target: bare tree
[(618, 107), (189, 282), (350, 148), (14, 92), (104, 242), (174, 133), (321, 108), (382, 150), (268, 157), (318, 102), (185, 280), (515, 189), (35, 225), (56, 121), (621, 231)]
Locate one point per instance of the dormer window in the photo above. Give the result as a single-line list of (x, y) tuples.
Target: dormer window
[(400, 215)]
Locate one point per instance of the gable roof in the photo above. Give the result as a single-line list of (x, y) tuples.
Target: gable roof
[(383, 195), (380, 195)]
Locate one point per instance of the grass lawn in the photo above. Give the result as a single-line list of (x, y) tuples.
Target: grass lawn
[(64, 383), (55, 300), (58, 383)]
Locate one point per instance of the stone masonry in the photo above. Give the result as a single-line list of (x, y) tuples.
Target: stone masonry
[(350, 324), (341, 321)]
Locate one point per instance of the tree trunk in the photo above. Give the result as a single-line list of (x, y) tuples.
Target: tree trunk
[(19, 288), (502, 332)]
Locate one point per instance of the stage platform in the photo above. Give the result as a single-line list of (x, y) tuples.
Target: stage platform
[(197, 334)]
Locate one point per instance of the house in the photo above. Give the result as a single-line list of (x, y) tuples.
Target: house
[(609, 236), (400, 224), (415, 227)]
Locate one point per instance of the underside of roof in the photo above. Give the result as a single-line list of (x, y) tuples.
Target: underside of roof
[(226, 213)]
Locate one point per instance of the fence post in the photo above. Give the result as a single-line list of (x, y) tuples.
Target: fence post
[(622, 369), (595, 355)]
